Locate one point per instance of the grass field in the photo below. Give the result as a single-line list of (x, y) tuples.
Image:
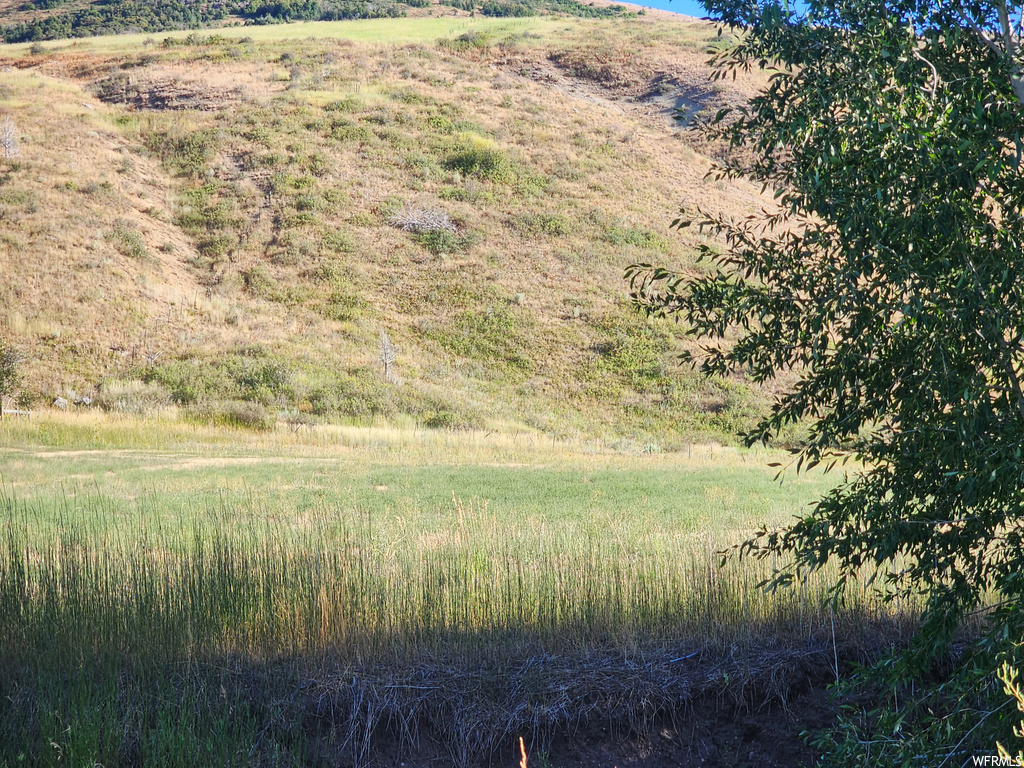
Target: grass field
[(250, 578), (420, 29)]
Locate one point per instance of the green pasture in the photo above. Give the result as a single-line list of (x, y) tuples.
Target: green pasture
[(378, 540), (420, 29), (721, 494), (222, 571)]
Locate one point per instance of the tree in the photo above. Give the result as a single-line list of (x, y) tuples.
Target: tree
[(387, 354), (10, 375), (891, 278), (9, 138)]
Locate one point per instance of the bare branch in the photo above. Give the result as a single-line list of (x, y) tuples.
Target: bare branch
[(935, 72), (1008, 38), (984, 36), (414, 219)]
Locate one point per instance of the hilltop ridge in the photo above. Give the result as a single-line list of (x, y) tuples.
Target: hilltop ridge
[(37, 20)]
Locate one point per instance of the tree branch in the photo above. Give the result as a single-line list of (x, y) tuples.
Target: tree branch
[(1010, 47), (935, 72)]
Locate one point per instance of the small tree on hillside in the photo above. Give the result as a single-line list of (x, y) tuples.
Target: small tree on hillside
[(387, 354), (891, 278), (9, 138), (10, 373)]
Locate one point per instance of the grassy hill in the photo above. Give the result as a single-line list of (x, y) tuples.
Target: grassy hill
[(225, 223)]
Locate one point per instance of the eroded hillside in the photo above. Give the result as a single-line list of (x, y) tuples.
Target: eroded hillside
[(227, 225)]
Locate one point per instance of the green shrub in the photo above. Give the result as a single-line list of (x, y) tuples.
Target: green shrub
[(440, 241), (257, 132), (215, 246), (259, 283), (424, 166), (11, 359), (532, 184), (632, 350), (343, 307), (441, 124), (482, 159), (363, 219), (296, 251), (470, 191), (250, 375), (302, 182), (128, 242), (407, 95), (136, 397), (549, 224), (329, 273), (493, 336), (232, 413), (618, 234), (309, 202), (201, 212), (254, 161), (450, 420), (299, 219), (388, 208), (191, 381), (318, 164), (338, 242), (397, 138), (360, 393), (474, 39), (185, 153), (347, 130), (262, 380), (348, 104), (24, 197)]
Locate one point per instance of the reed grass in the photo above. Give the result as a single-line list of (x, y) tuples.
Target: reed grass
[(329, 587)]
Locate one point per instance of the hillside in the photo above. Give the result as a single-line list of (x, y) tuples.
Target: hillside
[(226, 222)]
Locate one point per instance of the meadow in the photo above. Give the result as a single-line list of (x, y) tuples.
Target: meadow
[(376, 31), (169, 591)]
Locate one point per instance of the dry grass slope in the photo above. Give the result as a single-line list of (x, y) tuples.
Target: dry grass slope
[(207, 223)]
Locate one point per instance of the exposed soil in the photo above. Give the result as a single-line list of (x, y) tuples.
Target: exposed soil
[(167, 92), (707, 733), (656, 87)]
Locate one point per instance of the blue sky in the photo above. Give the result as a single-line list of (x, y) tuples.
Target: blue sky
[(689, 7)]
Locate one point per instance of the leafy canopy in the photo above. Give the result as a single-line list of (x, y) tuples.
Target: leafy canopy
[(889, 277)]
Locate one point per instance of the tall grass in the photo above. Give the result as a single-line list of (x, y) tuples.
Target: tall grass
[(159, 641), (326, 586)]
